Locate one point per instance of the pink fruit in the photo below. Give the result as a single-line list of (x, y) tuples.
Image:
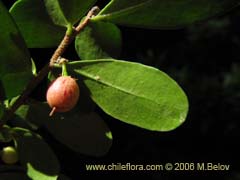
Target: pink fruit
[(62, 94)]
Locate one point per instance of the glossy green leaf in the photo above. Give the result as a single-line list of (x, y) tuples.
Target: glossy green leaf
[(32, 149), (37, 175), (67, 12), (163, 14), (134, 93), (15, 67), (99, 40), (35, 24), (13, 176), (5, 134)]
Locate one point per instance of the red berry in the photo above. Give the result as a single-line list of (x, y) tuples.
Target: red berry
[(62, 94)]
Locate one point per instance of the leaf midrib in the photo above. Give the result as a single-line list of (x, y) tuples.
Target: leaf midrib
[(93, 77)]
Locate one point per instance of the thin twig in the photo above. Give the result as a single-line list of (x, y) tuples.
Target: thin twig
[(45, 70), (90, 14), (68, 39)]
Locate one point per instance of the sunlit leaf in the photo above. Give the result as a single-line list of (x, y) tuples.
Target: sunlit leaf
[(34, 68), (134, 93), (37, 175)]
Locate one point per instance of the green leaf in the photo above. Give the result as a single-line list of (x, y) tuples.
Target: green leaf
[(85, 133), (82, 131), (5, 134), (13, 176), (99, 40), (15, 68), (35, 24), (134, 93), (32, 149), (67, 12), (19, 121), (34, 68), (14, 83), (37, 175), (34, 114), (162, 14)]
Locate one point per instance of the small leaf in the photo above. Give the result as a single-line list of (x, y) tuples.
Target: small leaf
[(99, 40), (35, 24), (13, 176), (67, 12), (134, 93), (34, 68), (37, 175), (15, 68), (162, 14), (32, 149), (5, 134)]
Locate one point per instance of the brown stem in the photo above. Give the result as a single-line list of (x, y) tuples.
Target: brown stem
[(91, 13), (61, 48), (69, 38), (45, 70)]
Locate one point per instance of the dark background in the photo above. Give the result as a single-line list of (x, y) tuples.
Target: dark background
[(205, 60)]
